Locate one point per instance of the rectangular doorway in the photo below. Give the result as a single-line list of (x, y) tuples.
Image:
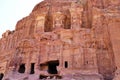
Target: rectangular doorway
[(21, 68), (52, 67), (32, 68), (66, 64)]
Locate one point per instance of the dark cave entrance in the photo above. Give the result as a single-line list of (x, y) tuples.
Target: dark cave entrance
[(22, 68), (52, 67), (32, 68), (1, 76)]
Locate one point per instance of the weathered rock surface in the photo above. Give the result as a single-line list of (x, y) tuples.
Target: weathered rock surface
[(64, 37)]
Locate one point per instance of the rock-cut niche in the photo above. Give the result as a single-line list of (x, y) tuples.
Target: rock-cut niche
[(52, 67), (21, 68), (48, 22), (67, 20), (32, 68)]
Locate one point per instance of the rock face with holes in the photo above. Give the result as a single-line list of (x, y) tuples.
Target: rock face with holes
[(64, 39)]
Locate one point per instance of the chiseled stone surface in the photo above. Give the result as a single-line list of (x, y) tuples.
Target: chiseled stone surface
[(75, 39)]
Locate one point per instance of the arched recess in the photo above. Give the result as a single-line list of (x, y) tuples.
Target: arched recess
[(87, 15), (67, 20), (48, 22)]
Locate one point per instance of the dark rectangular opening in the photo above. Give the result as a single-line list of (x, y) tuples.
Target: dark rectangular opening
[(1, 76), (66, 64), (52, 67), (21, 68), (86, 62), (32, 68)]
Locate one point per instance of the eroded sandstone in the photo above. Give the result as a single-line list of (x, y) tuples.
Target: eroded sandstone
[(69, 39)]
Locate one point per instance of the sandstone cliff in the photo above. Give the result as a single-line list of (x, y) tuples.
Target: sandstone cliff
[(62, 37)]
